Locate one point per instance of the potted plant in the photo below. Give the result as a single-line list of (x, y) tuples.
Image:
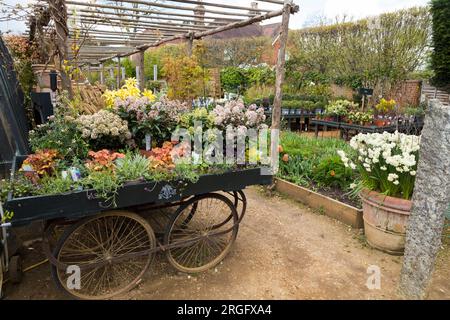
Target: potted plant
[(387, 164), (339, 109), (383, 108)]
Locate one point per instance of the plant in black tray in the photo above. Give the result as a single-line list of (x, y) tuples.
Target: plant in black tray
[(133, 167), (55, 185), (60, 133), (105, 184), (21, 186), (105, 130)]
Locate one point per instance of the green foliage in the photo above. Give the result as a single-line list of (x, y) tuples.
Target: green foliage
[(260, 75), (20, 187), (132, 167), (375, 52), (130, 67), (440, 59), (61, 134), (258, 92), (233, 79), (186, 79), (312, 162), (238, 80), (418, 111), (187, 172), (331, 172), (105, 183), (49, 185), (230, 52)]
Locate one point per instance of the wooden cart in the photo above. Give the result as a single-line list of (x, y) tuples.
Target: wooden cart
[(109, 249)]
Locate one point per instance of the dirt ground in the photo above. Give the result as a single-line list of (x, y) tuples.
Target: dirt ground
[(283, 251)]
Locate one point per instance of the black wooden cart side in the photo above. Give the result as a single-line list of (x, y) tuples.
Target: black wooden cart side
[(112, 247)]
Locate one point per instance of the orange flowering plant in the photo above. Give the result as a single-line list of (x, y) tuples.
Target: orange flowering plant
[(103, 159)]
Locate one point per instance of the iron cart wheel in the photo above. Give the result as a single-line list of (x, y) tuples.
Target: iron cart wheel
[(199, 239), (105, 241), (15, 269)]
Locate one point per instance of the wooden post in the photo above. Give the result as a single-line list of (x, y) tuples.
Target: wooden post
[(102, 70), (190, 44), (89, 73), (140, 70), (280, 73), (58, 12), (431, 200), (118, 72)]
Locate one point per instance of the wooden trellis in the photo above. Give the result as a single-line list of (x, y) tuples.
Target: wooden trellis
[(103, 30)]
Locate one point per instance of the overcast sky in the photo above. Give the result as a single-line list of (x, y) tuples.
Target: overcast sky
[(309, 9)]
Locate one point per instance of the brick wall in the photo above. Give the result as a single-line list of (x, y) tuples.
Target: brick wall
[(407, 93)]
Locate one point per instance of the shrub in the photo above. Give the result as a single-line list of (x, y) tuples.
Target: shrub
[(440, 59), (61, 134), (233, 79)]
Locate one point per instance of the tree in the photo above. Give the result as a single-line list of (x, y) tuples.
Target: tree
[(440, 58), (378, 52)]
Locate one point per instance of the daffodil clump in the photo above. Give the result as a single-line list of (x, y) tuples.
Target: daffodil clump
[(387, 162), (129, 89)]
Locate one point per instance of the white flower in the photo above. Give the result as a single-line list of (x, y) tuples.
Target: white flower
[(413, 173), (392, 177), (383, 168), (396, 182)]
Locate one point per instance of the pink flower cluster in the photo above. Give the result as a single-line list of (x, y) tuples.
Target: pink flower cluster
[(235, 114)]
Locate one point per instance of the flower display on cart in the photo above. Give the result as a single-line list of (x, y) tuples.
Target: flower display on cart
[(144, 117), (129, 89), (235, 114), (386, 162), (105, 129)]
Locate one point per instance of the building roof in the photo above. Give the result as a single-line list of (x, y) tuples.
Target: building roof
[(254, 30)]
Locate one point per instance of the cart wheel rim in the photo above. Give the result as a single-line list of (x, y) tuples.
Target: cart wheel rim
[(208, 237), (98, 240)]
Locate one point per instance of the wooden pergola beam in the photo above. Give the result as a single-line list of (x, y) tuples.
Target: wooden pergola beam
[(138, 26), (118, 32), (223, 5), (187, 8), (144, 10), (128, 14), (116, 36), (143, 22), (289, 8)]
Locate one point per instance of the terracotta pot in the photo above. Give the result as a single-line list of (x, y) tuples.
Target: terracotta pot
[(379, 122), (385, 221), (42, 73)]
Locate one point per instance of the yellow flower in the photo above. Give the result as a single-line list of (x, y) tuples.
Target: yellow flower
[(149, 94)]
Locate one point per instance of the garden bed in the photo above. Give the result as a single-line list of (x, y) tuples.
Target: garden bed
[(329, 206)]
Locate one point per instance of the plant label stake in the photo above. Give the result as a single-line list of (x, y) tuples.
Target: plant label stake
[(148, 142)]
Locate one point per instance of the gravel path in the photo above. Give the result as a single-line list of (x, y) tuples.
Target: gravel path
[(283, 251)]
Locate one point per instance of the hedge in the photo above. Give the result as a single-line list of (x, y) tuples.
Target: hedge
[(440, 58)]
